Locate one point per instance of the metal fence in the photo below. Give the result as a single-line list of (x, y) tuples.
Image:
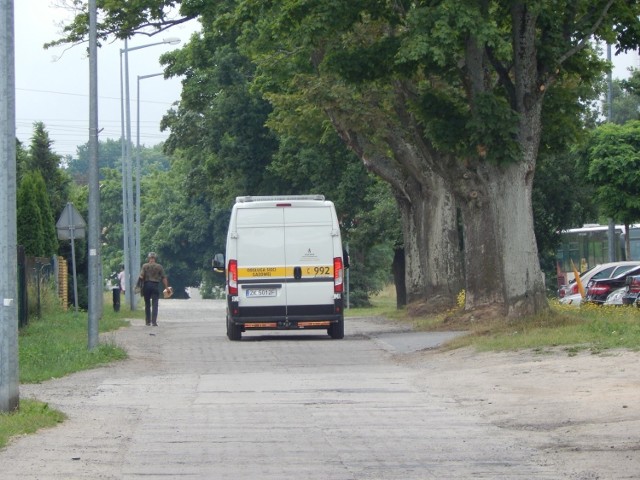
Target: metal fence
[(33, 272)]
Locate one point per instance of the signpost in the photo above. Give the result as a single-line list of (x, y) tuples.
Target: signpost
[(70, 226)]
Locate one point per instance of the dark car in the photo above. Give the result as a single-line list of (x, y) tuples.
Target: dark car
[(632, 290), (598, 290)]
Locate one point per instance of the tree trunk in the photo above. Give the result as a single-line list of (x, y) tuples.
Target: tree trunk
[(398, 270), (433, 262), (503, 272), (433, 269)]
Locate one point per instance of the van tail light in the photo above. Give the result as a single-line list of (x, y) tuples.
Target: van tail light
[(232, 277), (338, 273)]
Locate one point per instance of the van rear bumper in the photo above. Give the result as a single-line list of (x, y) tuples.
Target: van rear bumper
[(270, 318), (290, 323)]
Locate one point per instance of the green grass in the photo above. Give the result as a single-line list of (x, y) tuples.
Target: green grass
[(54, 346), (382, 305), (591, 328), (29, 418)]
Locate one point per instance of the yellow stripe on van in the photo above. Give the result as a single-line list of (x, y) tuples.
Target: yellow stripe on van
[(308, 271), (261, 272)]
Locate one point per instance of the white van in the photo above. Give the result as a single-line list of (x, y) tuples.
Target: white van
[(284, 265)]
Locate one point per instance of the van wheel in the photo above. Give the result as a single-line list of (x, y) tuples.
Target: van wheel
[(234, 332), (336, 330)]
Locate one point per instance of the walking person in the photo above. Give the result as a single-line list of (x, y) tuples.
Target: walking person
[(119, 290), (151, 275)]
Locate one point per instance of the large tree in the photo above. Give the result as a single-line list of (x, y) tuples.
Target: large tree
[(450, 95), (443, 99)]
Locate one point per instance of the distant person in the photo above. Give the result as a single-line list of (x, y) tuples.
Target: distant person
[(151, 275), (119, 289)]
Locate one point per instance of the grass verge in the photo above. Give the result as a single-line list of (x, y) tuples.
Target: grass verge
[(54, 346), (588, 328), (29, 418)]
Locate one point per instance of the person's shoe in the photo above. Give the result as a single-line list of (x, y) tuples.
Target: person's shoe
[(154, 324), (148, 324)]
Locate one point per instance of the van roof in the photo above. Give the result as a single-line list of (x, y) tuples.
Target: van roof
[(266, 198)]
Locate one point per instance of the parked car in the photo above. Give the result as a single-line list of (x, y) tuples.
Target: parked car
[(569, 294), (597, 290), (616, 297), (632, 290)]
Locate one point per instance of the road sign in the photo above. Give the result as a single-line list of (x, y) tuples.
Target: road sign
[(71, 224)]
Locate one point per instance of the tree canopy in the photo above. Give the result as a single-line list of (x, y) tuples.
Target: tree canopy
[(443, 100)]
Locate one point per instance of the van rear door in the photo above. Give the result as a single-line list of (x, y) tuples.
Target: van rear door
[(309, 238), (261, 262)]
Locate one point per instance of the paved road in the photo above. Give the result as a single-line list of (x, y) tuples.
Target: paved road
[(275, 406)]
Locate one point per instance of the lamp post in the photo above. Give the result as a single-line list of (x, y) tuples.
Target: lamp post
[(127, 174), (138, 174)]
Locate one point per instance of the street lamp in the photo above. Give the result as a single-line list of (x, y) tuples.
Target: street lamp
[(127, 173), (138, 175)]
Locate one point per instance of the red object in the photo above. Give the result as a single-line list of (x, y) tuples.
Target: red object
[(634, 285), (599, 289), (338, 271), (232, 277)]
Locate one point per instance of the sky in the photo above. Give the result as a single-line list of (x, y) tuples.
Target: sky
[(52, 85)]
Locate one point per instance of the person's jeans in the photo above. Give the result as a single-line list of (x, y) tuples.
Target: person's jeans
[(151, 294)]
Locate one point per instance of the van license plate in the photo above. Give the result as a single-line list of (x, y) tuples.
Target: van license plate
[(261, 292)]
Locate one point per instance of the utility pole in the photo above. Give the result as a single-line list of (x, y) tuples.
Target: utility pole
[(612, 226), (133, 262), (9, 383), (95, 264)]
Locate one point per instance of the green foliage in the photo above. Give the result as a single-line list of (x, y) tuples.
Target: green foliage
[(626, 100), (111, 220), (493, 129), (42, 158), (179, 224), (30, 223), (562, 197), (48, 221), (109, 153), (614, 169), (21, 160)]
